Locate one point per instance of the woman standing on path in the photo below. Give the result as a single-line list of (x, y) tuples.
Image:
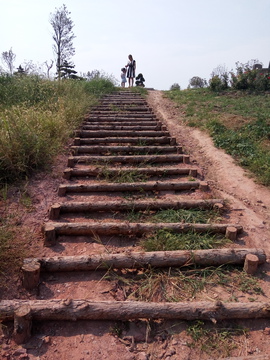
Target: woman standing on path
[(131, 67)]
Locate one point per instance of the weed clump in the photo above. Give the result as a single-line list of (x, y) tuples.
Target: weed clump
[(165, 240), (37, 117)]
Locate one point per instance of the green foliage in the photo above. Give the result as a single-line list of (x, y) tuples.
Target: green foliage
[(245, 77), (29, 90), (197, 82), (217, 83), (252, 80), (175, 86), (37, 117), (245, 146), (99, 86), (237, 121)]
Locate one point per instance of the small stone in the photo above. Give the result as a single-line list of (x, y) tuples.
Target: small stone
[(24, 357), (47, 340), (142, 356), (266, 331)]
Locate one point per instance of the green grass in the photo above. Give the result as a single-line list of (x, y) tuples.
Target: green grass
[(175, 216), (37, 117), (122, 176), (165, 240), (237, 121), (175, 285), (216, 341)]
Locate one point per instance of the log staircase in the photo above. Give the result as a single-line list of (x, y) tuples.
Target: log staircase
[(122, 138)]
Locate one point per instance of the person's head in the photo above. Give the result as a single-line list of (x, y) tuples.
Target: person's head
[(130, 57), (124, 70)]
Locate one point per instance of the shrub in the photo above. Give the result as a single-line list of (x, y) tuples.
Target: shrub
[(253, 80), (36, 118), (197, 82), (175, 86), (249, 78), (219, 79), (217, 84)]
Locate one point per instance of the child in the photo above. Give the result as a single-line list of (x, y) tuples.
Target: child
[(123, 77)]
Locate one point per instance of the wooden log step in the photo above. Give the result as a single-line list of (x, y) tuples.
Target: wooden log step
[(53, 229), (131, 140), (151, 171), (120, 117), (141, 186), (124, 101), (138, 205), (125, 133), (122, 123), (147, 149), (130, 159), (107, 107), (72, 310), (137, 260), (121, 127)]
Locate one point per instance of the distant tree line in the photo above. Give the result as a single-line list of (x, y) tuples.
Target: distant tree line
[(247, 76)]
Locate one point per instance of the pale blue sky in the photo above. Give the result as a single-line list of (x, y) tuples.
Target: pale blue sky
[(171, 40)]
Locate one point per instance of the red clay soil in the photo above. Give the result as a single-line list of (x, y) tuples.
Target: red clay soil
[(140, 340)]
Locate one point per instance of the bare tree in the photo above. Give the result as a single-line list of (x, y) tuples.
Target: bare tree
[(62, 36), (49, 66), (8, 58)]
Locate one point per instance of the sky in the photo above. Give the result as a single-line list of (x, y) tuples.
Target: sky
[(171, 40)]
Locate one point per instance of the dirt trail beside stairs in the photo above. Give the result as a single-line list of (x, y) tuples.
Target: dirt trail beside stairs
[(250, 201)]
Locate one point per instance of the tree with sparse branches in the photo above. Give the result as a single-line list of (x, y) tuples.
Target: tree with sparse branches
[(62, 36), (8, 58), (49, 66)]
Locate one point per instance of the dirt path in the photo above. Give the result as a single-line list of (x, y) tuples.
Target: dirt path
[(250, 204), (250, 201)]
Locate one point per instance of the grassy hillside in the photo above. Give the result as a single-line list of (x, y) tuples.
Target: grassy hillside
[(36, 118), (239, 123)]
